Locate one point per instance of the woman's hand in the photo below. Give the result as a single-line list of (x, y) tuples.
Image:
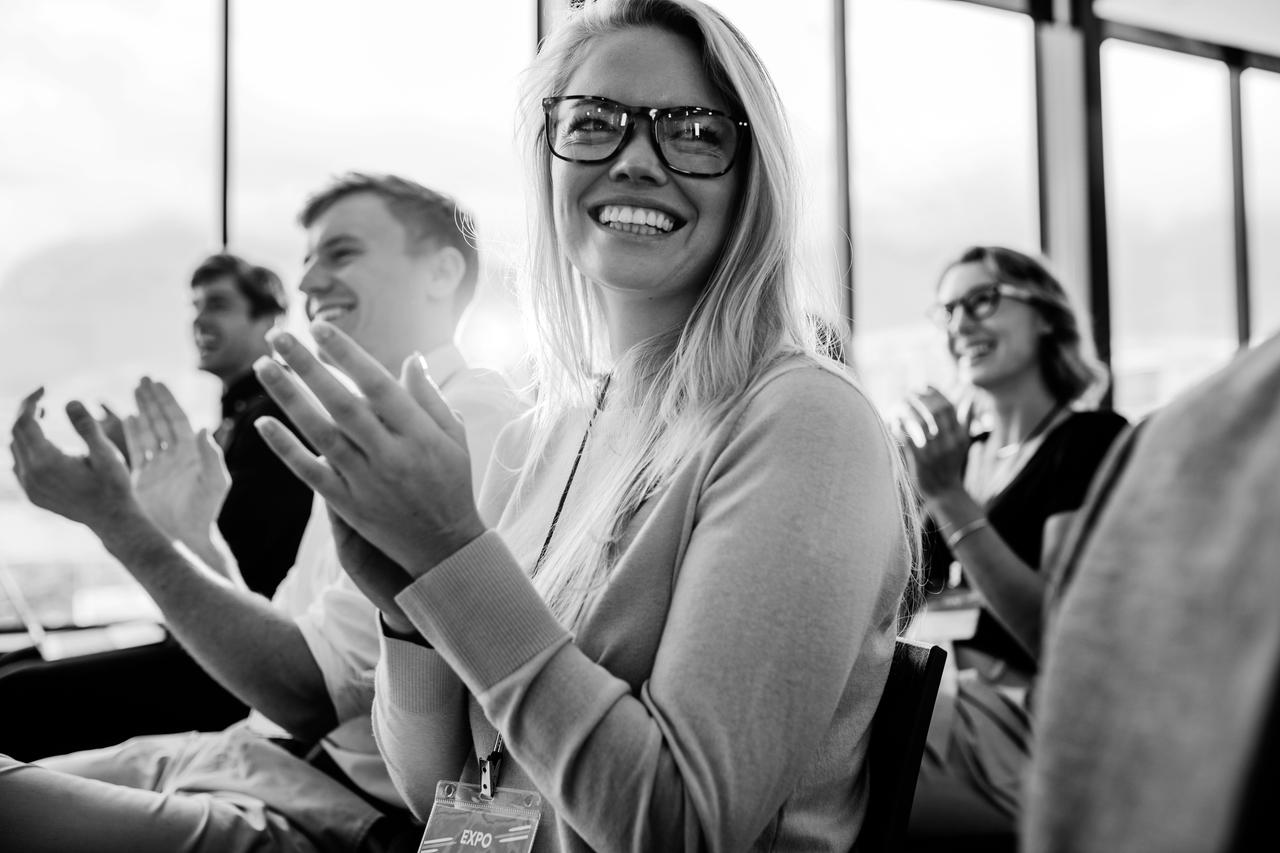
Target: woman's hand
[(937, 443), (376, 575), (394, 467)]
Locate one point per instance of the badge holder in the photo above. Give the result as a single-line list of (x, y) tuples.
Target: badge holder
[(484, 817)]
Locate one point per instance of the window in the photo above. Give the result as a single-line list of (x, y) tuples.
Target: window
[(403, 87), (1166, 123), (943, 151), (1260, 93), (109, 179), (806, 82)]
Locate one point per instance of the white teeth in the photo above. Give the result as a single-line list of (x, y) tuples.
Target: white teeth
[(330, 313), (649, 221)]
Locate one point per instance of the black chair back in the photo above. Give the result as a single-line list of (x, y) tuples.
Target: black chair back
[(898, 734)]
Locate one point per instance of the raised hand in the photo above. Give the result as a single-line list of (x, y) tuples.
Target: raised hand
[(92, 489), (395, 465), (378, 576), (937, 443), (178, 474)]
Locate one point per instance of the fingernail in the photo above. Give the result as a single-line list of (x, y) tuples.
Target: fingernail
[(265, 425), (76, 409), (321, 331), (266, 367), (284, 342)]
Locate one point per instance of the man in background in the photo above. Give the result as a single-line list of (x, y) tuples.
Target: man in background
[(392, 264), (157, 687)]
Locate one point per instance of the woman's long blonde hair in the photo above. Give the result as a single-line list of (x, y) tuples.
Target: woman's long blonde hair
[(676, 387)]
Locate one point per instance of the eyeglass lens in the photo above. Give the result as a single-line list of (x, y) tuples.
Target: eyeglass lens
[(689, 140), (979, 304)]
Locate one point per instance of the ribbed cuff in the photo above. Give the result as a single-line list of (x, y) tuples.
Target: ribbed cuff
[(481, 613), (416, 679)]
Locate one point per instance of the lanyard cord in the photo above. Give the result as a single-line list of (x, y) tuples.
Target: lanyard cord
[(491, 763)]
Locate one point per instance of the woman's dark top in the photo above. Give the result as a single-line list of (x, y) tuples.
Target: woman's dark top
[(1055, 479)]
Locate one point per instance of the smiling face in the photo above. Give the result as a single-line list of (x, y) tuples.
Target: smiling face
[(227, 336), (363, 276), (648, 237), (1003, 349)]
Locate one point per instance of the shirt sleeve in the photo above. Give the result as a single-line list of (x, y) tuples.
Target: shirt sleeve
[(341, 630), (795, 558), (420, 721)]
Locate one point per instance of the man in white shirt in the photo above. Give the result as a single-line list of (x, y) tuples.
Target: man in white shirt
[(393, 265)]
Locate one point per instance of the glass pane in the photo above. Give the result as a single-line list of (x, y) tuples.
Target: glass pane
[(1260, 92), (405, 87), (1248, 24), (1166, 121), (798, 48), (108, 175), (942, 100)]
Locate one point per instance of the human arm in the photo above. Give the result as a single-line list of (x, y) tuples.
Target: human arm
[(774, 602), (257, 653), (419, 720), (937, 444)]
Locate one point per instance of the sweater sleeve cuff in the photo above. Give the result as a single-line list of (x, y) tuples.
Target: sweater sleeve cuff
[(415, 678), (481, 613)]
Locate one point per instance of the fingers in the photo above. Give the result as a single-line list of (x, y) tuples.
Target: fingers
[(210, 454), (26, 424), (387, 399), (426, 394), (315, 472), (100, 447), (152, 414), (307, 414), (139, 441), (171, 414)]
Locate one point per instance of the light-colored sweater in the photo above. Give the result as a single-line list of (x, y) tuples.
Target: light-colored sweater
[(719, 692)]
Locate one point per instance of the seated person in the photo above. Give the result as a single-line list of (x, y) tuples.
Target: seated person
[(158, 687), (1157, 707), (1022, 357), (679, 630), (389, 261)]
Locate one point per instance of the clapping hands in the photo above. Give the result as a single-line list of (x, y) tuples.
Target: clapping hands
[(395, 466), (936, 442)]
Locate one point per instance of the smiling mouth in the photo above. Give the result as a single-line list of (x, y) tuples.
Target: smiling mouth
[(330, 313), (206, 343), (974, 349), (636, 220)]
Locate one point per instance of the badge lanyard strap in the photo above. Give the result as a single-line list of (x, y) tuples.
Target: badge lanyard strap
[(491, 764)]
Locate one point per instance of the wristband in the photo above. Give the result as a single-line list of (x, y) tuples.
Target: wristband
[(965, 530)]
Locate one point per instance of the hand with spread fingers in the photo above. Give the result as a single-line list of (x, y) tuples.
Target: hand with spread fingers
[(937, 442), (92, 489), (395, 465), (178, 474)]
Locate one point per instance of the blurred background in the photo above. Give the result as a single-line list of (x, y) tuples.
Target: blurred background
[(1135, 142)]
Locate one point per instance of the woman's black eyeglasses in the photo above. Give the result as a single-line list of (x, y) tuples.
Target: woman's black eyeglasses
[(689, 140), (979, 303)]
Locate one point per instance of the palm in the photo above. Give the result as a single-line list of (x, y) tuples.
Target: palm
[(378, 576), (180, 488)]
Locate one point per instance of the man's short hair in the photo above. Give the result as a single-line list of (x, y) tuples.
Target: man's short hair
[(431, 219), (259, 285)]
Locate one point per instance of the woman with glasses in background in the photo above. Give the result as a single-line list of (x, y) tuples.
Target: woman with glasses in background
[(677, 632), (1019, 444)]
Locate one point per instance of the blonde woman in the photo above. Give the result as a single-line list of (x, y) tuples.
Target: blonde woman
[(678, 630)]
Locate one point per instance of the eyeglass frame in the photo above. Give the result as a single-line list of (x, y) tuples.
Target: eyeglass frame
[(652, 114), (943, 313)]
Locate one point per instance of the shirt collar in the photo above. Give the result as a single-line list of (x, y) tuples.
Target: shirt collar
[(444, 362)]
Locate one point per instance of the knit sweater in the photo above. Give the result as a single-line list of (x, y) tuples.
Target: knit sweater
[(718, 693)]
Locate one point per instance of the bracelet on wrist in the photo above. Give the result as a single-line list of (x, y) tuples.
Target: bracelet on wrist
[(965, 530)]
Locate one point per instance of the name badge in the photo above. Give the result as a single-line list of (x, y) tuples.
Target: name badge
[(463, 820)]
